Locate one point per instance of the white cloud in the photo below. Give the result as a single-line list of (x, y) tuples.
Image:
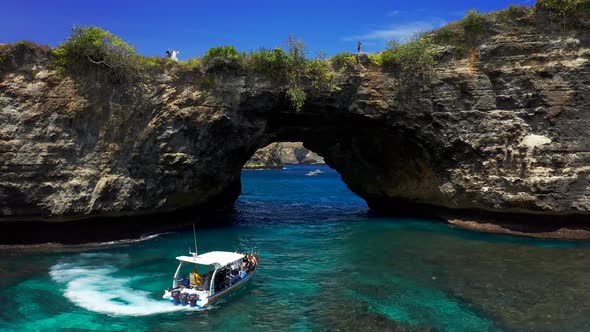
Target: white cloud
[(399, 32), (394, 13)]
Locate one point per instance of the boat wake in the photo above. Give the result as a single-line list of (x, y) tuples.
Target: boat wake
[(97, 288), (58, 247)]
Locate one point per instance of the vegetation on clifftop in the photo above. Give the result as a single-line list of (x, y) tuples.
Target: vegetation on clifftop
[(222, 58), (344, 62), (113, 58), (273, 62), (291, 67), (470, 31), (561, 7), (93, 45), (117, 61), (413, 60)]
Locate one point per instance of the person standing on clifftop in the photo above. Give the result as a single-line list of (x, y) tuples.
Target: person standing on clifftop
[(168, 54), (174, 55), (358, 49)]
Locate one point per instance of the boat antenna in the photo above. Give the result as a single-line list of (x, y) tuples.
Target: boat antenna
[(195, 237)]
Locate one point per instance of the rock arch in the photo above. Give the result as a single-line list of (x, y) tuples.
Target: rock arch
[(457, 144)]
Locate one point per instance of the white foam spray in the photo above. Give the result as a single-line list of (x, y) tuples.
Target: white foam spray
[(95, 288)]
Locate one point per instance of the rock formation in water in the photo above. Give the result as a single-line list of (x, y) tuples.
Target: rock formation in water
[(277, 155), (501, 133), (295, 153), (267, 157)]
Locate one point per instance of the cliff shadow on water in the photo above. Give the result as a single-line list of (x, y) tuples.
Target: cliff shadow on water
[(482, 122)]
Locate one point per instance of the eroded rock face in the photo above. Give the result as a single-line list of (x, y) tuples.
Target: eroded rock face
[(503, 131), (277, 155), (267, 157), (506, 133)]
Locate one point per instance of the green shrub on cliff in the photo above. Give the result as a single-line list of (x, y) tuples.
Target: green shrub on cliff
[(375, 58), (470, 31), (17, 56), (473, 22), (93, 46), (222, 58), (320, 73), (152, 61), (297, 97), (561, 7), (344, 62), (288, 66), (412, 60), (300, 69), (297, 60), (512, 15), (295, 71), (273, 62), (25, 44), (191, 64), (442, 36)]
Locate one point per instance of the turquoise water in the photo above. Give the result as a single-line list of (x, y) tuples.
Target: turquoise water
[(326, 264)]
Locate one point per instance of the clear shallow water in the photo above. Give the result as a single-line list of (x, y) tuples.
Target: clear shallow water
[(326, 265)]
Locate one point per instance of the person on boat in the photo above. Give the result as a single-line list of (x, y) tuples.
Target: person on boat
[(185, 282), (196, 279), (244, 267), (245, 263), (251, 261)]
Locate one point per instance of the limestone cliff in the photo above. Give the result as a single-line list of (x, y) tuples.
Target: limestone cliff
[(267, 157), (296, 153), (277, 155), (502, 134)]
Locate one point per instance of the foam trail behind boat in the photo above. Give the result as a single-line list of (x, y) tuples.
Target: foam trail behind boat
[(95, 288)]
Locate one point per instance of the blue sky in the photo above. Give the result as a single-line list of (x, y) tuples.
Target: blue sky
[(194, 26)]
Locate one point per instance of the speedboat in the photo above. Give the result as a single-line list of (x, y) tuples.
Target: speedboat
[(313, 173), (225, 272)]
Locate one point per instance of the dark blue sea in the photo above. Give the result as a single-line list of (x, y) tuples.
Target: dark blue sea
[(327, 264)]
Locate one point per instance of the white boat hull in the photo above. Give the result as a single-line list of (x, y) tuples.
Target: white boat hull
[(204, 299)]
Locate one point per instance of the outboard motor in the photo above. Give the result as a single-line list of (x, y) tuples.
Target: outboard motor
[(192, 299), (184, 298), (176, 296)]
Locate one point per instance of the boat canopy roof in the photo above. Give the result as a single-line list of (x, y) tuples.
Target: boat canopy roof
[(217, 258)]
